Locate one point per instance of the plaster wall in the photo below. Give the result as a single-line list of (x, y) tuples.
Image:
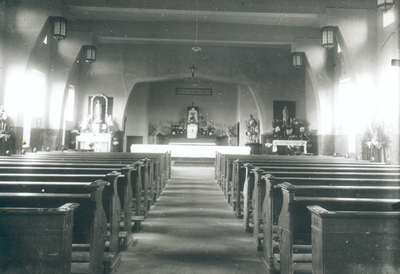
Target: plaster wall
[(136, 112)]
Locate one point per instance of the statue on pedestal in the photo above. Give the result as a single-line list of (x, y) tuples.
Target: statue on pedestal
[(98, 111), (252, 130), (285, 115), (192, 126)]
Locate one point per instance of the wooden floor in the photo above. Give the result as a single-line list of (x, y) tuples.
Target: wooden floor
[(191, 229)]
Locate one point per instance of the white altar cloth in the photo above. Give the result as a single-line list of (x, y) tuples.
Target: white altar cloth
[(289, 143), (190, 150)]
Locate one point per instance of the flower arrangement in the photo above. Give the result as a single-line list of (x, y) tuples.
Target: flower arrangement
[(377, 137), (295, 130), (231, 131), (153, 128)]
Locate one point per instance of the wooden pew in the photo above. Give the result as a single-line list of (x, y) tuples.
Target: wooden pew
[(355, 241), (254, 196), (135, 174), (278, 160), (51, 235), (292, 170), (158, 164), (111, 203), (162, 159), (294, 225), (89, 219), (273, 201), (226, 162)]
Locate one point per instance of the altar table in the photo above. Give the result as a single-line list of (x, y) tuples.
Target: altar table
[(289, 143), (99, 143)]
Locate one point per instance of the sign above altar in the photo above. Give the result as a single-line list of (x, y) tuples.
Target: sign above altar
[(193, 91)]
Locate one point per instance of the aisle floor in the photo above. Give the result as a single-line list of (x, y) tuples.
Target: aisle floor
[(191, 229)]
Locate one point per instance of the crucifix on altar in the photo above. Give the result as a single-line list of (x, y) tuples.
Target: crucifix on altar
[(192, 126)]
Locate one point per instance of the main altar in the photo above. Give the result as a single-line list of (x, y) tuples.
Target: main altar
[(193, 129)]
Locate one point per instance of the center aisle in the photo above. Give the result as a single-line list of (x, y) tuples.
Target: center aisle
[(191, 229)]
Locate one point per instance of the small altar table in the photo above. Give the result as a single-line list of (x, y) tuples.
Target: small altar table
[(289, 143), (100, 142)]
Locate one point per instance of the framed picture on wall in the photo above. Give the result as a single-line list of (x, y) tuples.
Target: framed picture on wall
[(279, 106)]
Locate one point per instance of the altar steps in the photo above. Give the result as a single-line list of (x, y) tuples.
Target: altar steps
[(193, 161)]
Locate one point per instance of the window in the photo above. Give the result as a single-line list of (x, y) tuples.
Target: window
[(69, 106), (388, 18)]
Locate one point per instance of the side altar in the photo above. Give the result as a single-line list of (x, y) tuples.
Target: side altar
[(97, 129)]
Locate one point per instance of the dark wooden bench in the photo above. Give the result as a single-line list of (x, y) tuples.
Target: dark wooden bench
[(273, 201), (78, 165), (351, 242), (163, 160), (293, 170), (222, 164), (110, 202), (89, 219), (48, 230), (157, 163), (294, 225), (226, 177), (253, 196)]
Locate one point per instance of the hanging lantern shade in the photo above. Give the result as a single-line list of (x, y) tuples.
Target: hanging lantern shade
[(384, 5), (90, 53), (59, 28), (298, 59), (328, 37)]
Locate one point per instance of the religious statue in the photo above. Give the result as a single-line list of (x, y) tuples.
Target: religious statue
[(285, 114), (252, 130), (192, 126), (192, 116), (3, 118), (192, 119), (98, 111)]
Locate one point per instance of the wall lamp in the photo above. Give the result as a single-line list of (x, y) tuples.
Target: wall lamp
[(328, 37), (90, 53), (298, 61), (59, 25), (384, 5)]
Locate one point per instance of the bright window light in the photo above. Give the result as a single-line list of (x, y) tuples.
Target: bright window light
[(34, 101), (388, 18), (339, 50), (35, 91), (69, 111), (346, 113), (45, 40)]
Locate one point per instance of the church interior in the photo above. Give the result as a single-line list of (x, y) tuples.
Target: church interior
[(285, 111)]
